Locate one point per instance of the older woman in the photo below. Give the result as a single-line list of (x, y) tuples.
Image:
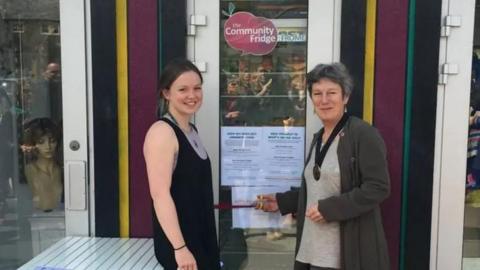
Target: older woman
[(345, 179)]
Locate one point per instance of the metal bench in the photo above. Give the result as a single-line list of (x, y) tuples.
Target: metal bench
[(77, 253)]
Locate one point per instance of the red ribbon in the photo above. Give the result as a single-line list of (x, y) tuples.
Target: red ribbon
[(227, 206)]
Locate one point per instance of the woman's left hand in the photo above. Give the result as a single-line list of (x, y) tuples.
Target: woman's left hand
[(313, 214)]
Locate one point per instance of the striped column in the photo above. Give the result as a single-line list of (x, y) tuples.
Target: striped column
[(143, 75)]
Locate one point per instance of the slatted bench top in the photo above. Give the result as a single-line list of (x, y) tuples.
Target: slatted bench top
[(77, 253)]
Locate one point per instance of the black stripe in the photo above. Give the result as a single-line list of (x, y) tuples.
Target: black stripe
[(173, 30), (422, 134), (104, 76), (352, 49)]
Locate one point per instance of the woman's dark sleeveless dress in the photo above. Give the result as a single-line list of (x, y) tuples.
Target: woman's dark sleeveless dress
[(191, 190)]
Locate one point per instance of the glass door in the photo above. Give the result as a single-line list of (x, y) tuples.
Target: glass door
[(255, 55), (263, 58), (455, 228), (32, 127), (471, 226)]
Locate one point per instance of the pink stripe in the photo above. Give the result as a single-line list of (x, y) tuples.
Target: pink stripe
[(390, 66), (143, 73)]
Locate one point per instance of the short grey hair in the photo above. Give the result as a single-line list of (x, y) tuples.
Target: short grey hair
[(335, 72)]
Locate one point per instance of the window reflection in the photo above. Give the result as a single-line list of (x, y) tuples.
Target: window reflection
[(31, 173)]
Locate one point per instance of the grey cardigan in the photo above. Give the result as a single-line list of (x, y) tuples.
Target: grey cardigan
[(365, 183)]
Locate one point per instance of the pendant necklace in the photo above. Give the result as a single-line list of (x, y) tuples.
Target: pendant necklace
[(192, 139), (321, 153), (174, 120)]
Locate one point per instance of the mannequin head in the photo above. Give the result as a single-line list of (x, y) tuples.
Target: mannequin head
[(43, 171), (42, 135)]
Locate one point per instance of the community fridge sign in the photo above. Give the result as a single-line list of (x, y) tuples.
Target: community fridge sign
[(249, 34)]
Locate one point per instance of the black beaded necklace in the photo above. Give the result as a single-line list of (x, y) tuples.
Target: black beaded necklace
[(320, 154)]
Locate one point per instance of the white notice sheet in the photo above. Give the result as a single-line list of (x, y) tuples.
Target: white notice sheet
[(262, 156)]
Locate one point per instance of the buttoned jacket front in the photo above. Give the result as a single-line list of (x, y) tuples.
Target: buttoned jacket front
[(365, 183)]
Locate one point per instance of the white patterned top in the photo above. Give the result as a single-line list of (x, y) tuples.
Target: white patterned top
[(320, 244)]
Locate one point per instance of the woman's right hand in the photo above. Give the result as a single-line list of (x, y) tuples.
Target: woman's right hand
[(185, 259), (266, 202)]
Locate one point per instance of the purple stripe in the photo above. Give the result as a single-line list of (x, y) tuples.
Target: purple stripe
[(143, 73), (390, 66)]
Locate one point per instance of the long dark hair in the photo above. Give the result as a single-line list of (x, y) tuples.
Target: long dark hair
[(170, 73)]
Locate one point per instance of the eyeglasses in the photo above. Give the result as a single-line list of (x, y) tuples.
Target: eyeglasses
[(316, 172)]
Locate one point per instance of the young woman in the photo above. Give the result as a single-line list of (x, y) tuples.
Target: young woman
[(345, 179), (179, 175)]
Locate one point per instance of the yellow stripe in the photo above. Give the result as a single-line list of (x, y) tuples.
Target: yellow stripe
[(369, 71), (122, 104)]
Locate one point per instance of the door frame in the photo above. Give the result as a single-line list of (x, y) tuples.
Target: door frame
[(451, 140), (77, 124), (323, 46)]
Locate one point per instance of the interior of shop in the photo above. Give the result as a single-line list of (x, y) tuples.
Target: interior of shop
[(471, 235)]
